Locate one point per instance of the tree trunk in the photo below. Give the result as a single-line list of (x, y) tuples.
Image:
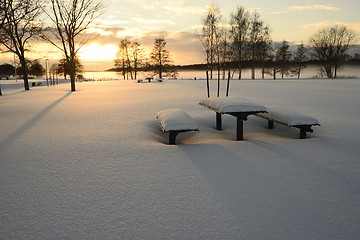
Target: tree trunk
[(253, 73), (335, 71), (218, 85), (25, 73), (274, 73), (72, 72), (72, 78), (239, 67), (160, 72)]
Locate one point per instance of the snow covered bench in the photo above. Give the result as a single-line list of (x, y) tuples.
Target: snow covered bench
[(175, 121), (149, 79), (238, 107), (289, 118)]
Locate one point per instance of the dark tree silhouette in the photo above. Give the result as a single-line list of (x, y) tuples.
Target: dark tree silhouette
[(239, 33), (329, 46), (20, 23), (259, 39), (70, 19), (210, 35), (299, 59), (160, 56)]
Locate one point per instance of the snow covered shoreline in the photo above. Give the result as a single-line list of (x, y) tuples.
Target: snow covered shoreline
[(94, 164)]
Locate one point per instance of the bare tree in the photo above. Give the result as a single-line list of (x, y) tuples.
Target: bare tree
[(122, 60), (283, 57), (54, 71), (64, 67), (129, 58), (20, 23), (259, 38), (210, 35), (71, 18), (299, 59), (137, 57), (239, 32), (329, 46), (221, 54), (160, 56)]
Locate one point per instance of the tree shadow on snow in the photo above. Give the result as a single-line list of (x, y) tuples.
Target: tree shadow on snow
[(235, 181), (29, 124)]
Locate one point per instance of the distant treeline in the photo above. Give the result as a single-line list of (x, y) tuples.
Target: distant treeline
[(245, 64)]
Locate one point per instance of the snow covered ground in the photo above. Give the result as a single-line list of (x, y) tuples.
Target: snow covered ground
[(94, 164)]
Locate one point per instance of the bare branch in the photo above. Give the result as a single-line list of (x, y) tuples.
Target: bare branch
[(71, 18)]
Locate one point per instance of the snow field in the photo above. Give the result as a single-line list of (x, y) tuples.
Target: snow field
[(94, 164)]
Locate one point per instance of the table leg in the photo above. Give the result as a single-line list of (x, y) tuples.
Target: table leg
[(239, 129), (218, 121)]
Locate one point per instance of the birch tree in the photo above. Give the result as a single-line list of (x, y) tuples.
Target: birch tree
[(210, 35), (259, 38), (239, 32)]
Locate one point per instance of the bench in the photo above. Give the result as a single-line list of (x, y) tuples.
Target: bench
[(175, 121), (149, 78), (289, 118), (238, 107)]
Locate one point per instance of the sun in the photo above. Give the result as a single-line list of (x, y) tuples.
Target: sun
[(98, 52)]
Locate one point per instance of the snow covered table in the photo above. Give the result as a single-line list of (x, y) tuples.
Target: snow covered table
[(289, 118), (240, 108), (175, 121)]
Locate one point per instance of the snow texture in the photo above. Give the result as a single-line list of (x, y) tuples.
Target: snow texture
[(175, 119), (231, 104), (92, 164), (288, 117)]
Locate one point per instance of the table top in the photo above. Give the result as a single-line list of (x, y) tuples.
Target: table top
[(232, 105)]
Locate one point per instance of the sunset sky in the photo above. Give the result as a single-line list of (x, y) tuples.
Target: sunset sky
[(179, 22)]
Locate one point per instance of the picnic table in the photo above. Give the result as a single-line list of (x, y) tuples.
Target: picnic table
[(238, 107)]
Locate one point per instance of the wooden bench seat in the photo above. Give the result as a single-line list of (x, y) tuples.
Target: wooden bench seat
[(175, 121), (289, 118)]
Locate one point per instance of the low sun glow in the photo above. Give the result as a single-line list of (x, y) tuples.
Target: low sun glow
[(98, 52)]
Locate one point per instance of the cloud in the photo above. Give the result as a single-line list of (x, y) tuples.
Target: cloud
[(110, 21), (183, 7), (314, 8), (324, 24), (99, 31), (152, 21)]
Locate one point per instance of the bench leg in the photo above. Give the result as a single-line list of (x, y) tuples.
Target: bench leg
[(239, 129), (172, 137), (270, 124), (218, 121), (303, 130), (302, 134)]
